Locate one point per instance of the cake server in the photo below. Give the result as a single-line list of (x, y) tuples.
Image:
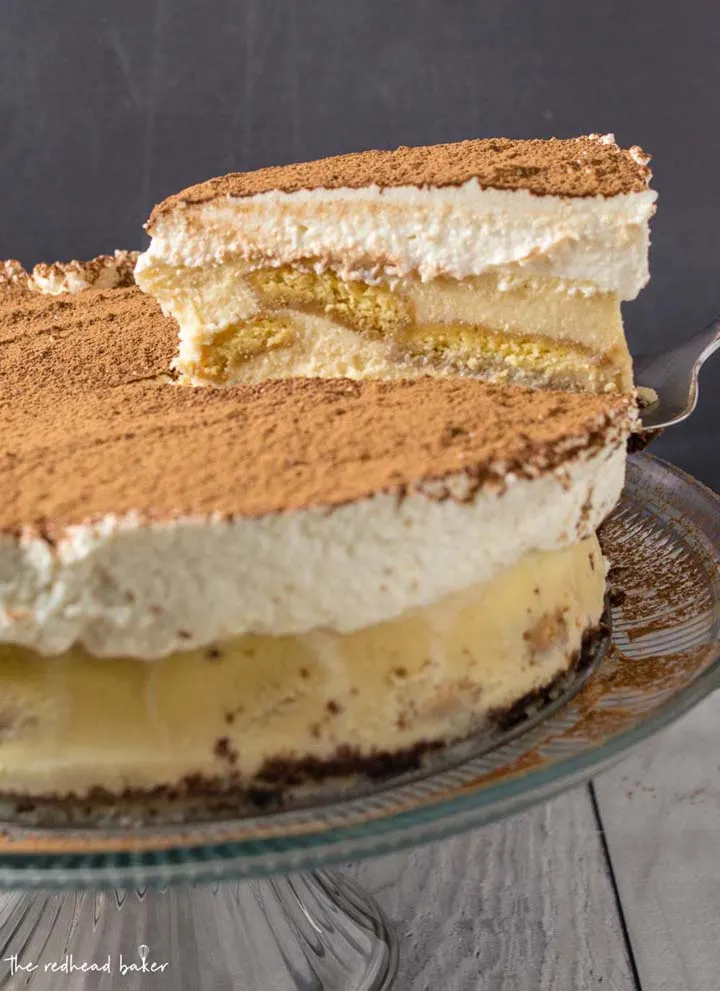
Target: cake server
[(673, 376)]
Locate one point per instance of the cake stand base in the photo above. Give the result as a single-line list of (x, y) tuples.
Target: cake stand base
[(311, 931)]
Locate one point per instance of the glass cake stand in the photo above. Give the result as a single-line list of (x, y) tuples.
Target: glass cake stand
[(252, 903)]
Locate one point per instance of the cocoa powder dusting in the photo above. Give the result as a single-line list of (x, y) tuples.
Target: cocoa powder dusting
[(585, 166), (90, 424), (13, 279), (657, 576)]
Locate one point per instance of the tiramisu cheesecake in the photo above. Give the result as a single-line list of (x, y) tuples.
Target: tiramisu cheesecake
[(230, 589), (497, 259)]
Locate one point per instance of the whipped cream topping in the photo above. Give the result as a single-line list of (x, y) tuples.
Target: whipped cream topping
[(103, 272), (375, 233), (126, 586)]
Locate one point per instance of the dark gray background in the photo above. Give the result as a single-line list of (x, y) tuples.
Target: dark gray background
[(105, 108)]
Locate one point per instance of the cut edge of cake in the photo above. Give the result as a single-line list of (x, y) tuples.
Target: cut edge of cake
[(498, 259)]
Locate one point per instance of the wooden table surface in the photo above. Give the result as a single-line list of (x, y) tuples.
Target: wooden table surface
[(614, 887)]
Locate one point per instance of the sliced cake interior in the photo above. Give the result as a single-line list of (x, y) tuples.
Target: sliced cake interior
[(503, 260)]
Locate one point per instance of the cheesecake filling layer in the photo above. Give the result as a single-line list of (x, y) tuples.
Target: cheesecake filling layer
[(232, 713), (239, 324)]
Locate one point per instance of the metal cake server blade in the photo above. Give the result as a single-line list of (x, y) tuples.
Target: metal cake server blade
[(673, 376)]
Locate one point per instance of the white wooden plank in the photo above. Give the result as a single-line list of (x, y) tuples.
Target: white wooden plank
[(526, 904), (661, 813)]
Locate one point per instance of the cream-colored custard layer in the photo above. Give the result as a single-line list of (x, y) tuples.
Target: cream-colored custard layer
[(70, 723), (241, 325)]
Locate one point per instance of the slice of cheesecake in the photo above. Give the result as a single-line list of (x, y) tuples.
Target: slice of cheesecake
[(205, 590), (496, 259)]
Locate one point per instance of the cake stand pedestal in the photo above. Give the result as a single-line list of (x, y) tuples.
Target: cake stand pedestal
[(311, 931)]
